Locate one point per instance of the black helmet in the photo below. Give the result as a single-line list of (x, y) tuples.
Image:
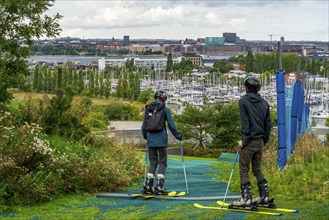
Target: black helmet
[(252, 83), (160, 95)]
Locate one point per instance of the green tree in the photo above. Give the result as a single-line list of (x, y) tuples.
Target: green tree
[(101, 85), (225, 127), (290, 62), (170, 63), (249, 62), (184, 66), (97, 88), (118, 88), (91, 76), (265, 62), (58, 117), (129, 65), (146, 96), (137, 85), (36, 77), (239, 59), (20, 23), (80, 82), (222, 67), (125, 85), (107, 86), (195, 123), (130, 89)]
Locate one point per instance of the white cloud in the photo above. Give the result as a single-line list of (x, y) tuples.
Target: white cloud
[(252, 20), (237, 21)]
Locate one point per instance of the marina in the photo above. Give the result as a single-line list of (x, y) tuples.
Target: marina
[(200, 87)]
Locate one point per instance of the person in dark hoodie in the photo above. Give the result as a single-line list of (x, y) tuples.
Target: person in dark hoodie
[(256, 128), (157, 143)]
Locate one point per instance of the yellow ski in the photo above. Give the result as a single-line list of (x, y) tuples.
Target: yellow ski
[(261, 207), (236, 210), (150, 196)]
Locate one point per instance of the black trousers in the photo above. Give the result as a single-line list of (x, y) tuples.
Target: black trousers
[(158, 157), (251, 153)]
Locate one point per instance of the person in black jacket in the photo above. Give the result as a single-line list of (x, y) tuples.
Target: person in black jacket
[(256, 128)]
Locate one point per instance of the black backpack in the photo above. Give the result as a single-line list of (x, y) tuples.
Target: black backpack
[(155, 117)]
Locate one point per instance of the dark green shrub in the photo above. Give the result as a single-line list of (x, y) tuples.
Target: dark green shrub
[(121, 111), (146, 96)]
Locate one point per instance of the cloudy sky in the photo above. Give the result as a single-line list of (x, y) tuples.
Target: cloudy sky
[(180, 19)]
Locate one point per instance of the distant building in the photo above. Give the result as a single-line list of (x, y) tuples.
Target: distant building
[(113, 62), (155, 62), (197, 60), (214, 41), (230, 38), (143, 48), (148, 62), (227, 49), (175, 49), (125, 41)]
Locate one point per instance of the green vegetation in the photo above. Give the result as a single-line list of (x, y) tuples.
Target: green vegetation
[(249, 62), (122, 111), (183, 67), (20, 23), (146, 96), (327, 135), (216, 122), (221, 67), (36, 168), (306, 176), (84, 206)]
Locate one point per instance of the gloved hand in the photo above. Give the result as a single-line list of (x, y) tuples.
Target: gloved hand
[(179, 137)]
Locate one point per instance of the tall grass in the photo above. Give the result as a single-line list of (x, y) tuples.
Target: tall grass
[(306, 175)]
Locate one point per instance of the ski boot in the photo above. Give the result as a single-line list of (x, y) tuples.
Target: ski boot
[(160, 190), (148, 187), (264, 199), (246, 200)]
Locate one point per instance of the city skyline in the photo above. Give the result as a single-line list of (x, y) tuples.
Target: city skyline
[(295, 20)]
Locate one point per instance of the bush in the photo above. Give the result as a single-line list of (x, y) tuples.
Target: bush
[(96, 121), (25, 157), (34, 169), (122, 111), (146, 96)]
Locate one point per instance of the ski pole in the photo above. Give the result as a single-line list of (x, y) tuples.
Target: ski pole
[(228, 185), (181, 149)]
